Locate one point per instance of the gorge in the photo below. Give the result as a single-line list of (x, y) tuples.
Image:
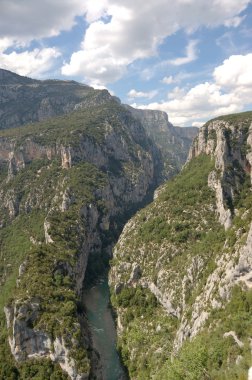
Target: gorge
[(191, 250), (78, 174), (68, 185)]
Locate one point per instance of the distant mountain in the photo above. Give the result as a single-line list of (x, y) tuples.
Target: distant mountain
[(24, 100), (173, 142), (10, 78), (75, 165)]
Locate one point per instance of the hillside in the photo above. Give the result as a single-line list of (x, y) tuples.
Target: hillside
[(24, 100), (181, 272), (174, 142), (67, 185)]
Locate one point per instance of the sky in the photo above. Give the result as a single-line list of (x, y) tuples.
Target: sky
[(190, 58)]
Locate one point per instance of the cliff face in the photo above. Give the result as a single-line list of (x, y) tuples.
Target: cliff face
[(67, 185), (173, 142), (229, 144), (188, 257), (24, 100)]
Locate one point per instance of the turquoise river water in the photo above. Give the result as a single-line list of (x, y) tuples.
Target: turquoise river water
[(103, 329)]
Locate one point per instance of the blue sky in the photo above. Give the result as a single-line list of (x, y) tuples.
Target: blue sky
[(190, 58)]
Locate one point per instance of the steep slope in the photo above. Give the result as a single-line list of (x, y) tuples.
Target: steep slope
[(67, 186), (181, 272), (173, 142), (24, 100)]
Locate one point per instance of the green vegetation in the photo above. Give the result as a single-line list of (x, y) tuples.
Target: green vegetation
[(44, 279), (242, 118), (140, 347), (179, 199), (70, 128), (211, 356), (41, 370), (32, 370), (15, 243), (182, 224), (177, 242), (70, 207)]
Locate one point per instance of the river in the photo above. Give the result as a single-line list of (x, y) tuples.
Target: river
[(103, 330)]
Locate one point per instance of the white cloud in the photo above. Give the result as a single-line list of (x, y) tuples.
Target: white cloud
[(203, 101), (95, 9), (229, 92), (181, 76), (191, 55), (168, 80), (132, 94), (5, 43), (26, 20), (197, 124), (236, 71), (176, 93), (99, 67), (227, 43), (98, 87), (234, 21), (32, 63), (134, 30)]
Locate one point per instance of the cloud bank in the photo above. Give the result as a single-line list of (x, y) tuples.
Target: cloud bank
[(26, 20), (229, 92), (120, 32), (131, 30)]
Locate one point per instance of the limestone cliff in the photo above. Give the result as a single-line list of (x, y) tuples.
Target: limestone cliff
[(24, 100), (67, 185), (191, 249), (173, 142), (229, 144), (74, 166)]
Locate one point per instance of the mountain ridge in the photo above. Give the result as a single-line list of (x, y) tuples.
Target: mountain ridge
[(181, 271), (191, 250), (24, 101), (67, 186)]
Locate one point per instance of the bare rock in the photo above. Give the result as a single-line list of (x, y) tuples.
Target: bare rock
[(48, 238)]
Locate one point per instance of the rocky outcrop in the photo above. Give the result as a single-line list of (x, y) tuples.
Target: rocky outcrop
[(193, 248), (66, 157), (230, 146), (225, 215), (27, 342), (48, 238), (164, 299), (62, 356), (173, 142), (82, 184), (24, 100)]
